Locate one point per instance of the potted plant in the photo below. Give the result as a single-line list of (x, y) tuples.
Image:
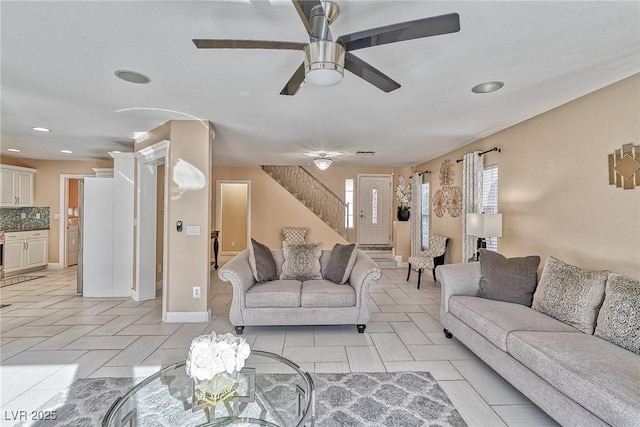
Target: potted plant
[(403, 194)]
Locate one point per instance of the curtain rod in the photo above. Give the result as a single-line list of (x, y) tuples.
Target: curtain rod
[(484, 152), (420, 174)]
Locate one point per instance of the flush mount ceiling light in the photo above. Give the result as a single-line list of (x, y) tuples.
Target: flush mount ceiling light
[(40, 129), (487, 87), (13, 150), (66, 151), (132, 77), (323, 162)]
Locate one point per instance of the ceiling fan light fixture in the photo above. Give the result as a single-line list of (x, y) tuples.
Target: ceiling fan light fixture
[(324, 63), (487, 87), (323, 162)]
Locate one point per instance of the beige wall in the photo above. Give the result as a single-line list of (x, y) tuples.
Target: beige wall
[(273, 208), (188, 165), (234, 205), (47, 188), (553, 183)]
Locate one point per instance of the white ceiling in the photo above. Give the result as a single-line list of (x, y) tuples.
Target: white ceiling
[(58, 61)]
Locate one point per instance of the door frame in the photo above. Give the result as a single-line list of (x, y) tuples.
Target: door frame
[(219, 205), (358, 208), (62, 221)]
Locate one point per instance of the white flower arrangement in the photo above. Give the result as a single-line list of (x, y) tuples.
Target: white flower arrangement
[(213, 354), (403, 193)]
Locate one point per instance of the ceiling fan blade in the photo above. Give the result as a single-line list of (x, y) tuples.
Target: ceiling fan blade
[(247, 44), (367, 72), (303, 7), (295, 82), (425, 27)]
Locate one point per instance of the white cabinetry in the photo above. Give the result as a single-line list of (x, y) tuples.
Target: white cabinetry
[(17, 186), (26, 250)]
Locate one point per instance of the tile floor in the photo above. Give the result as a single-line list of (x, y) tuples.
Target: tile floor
[(49, 337)]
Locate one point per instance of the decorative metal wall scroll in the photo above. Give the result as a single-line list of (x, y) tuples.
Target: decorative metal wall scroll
[(624, 167), (449, 197)]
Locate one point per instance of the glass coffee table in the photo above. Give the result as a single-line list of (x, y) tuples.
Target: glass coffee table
[(273, 391)]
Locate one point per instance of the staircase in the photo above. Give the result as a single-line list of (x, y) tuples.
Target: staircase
[(383, 256), (305, 187)]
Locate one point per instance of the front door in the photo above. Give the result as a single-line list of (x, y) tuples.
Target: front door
[(374, 205)]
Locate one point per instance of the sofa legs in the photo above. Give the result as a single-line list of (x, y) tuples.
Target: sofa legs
[(448, 334), (239, 330), (361, 328)]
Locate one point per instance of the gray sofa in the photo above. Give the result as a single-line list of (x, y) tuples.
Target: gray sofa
[(292, 302), (577, 378)]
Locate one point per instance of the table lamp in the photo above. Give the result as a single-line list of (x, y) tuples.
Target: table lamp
[(482, 226)]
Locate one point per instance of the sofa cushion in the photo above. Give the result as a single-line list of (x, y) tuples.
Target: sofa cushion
[(495, 320), (276, 293), (262, 263), (508, 279), (324, 293), (294, 235), (593, 372), (341, 262), (619, 317), (301, 262), (570, 294)]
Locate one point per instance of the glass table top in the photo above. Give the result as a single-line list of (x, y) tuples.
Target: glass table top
[(272, 391)]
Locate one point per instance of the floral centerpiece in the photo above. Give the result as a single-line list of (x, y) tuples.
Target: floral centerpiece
[(403, 194), (214, 362)]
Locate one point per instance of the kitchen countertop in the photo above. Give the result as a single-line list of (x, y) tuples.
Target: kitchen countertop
[(17, 230)]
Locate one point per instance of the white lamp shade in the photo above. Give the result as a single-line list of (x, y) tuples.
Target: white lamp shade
[(484, 225)]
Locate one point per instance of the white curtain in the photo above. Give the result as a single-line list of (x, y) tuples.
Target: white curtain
[(472, 171), (416, 214)]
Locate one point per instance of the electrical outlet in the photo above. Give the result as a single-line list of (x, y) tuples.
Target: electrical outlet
[(23, 215), (233, 244), (37, 216), (196, 292)]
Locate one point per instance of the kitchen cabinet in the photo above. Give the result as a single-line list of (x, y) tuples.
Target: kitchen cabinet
[(17, 186), (26, 250)]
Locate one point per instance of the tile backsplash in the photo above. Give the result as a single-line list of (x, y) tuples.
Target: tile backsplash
[(11, 219)]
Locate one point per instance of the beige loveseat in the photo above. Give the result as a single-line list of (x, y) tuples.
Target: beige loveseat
[(294, 302), (577, 378)]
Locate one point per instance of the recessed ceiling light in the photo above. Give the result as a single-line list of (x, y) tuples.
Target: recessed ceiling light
[(487, 87), (13, 150), (132, 77), (66, 151), (40, 129)]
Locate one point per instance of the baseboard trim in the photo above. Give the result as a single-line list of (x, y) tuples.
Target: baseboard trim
[(134, 295), (53, 266), (186, 316)]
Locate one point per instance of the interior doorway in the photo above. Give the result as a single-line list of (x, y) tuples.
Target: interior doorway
[(375, 204), (69, 219), (233, 215)]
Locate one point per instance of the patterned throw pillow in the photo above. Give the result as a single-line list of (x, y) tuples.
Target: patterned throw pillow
[(294, 235), (262, 263), (301, 262), (508, 279), (570, 294), (619, 318), (341, 262)]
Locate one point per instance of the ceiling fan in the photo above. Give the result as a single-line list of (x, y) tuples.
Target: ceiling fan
[(325, 59)]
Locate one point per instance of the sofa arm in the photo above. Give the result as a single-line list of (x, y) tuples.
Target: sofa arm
[(364, 271), (457, 279), (238, 272)]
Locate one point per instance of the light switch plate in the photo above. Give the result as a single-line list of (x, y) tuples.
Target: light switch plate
[(193, 230)]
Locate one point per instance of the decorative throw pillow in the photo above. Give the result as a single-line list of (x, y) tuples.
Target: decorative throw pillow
[(508, 279), (294, 235), (301, 262), (619, 318), (262, 263), (341, 262), (570, 294)]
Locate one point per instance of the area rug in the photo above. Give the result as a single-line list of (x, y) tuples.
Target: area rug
[(14, 280), (404, 399)]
